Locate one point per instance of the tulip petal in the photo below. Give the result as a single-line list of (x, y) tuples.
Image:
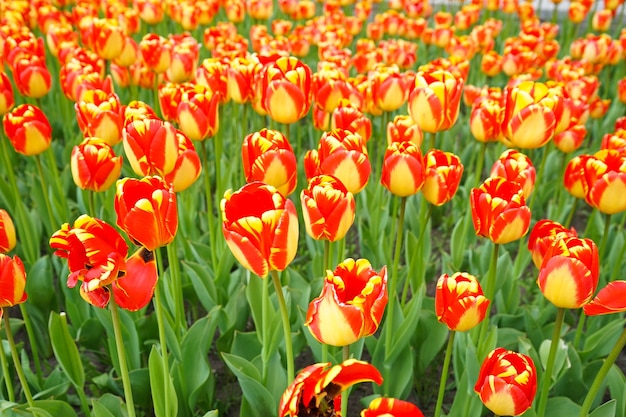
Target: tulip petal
[(610, 299), (134, 290)]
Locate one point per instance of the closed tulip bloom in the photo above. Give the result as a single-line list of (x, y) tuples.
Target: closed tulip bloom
[(610, 299), (185, 56), (499, 210), (7, 101), (146, 210), (569, 272), (529, 120), (12, 281), (516, 167), (404, 129), (605, 181), (542, 237), (460, 302), (156, 52), (28, 129), (150, 11), (507, 382), (570, 139), (435, 100), (7, 232), (94, 165), (95, 252), (443, 176), (485, 120), (261, 227), (32, 77), (106, 38), (328, 208), (316, 389), (170, 95), (151, 146), (101, 115), (574, 176), (285, 87), (351, 304), (188, 166), (268, 157), (198, 113), (403, 172), (260, 9), (350, 118), (343, 155), (390, 88), (621, 90), (391, 407)]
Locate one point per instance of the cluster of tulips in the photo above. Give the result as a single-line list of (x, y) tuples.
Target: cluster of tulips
[(352, 68)]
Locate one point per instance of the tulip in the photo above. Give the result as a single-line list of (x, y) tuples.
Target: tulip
[(330, 87), (343, 155), (101, 115), (516, 167), (328, 208), (7, 232), (185, 56), (435, 100), (28, 129), (268, 157), (351, 304), (317, 388), (615, 141), (260, 227), (403, 169), (146, 210), (507, 382), (571, 139), (621, 90), (94, 165), (609, 300), (543, 236), (156, 52), (188, 166), (605, 181), (443, 171), (95, 251), (151, 146), (285, 88), (499, 210), (391, 407), (198, 113), (403, 129), (170, 95), (459, 301), (134, 290), (7, 100), (390, 88), (569, 272), (12, 281), (529, 120), (485, 120), (150, 11), (106, 38), (212, 74), (349, 118), (32, 77), (239, 74), (574, 176)]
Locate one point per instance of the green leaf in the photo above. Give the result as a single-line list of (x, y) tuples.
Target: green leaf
[(562, 406), (403, 334), (202, 283), (251, 384), (65, 350), (561, 360), (212, 413), (98, 410), (161, 386), (52, 408), (112, 404), (605, 410)]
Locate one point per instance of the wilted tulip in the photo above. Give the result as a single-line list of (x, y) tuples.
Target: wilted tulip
[(328, 208), (499, 210), (507, 382), (351, 304), (268, 157), (146, 210), (94, 165), (569, 272), (260, 227)]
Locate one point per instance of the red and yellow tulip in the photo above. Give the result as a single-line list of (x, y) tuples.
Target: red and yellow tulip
[(94, 165), (7, 232), (101, 115), (605, 181), (28, 129), (391, 407), (151, 146), (460, 302), (351, 304), (12, 281), (609, 300), (403, 172), (443, 172), (542, 237), (517, 167)]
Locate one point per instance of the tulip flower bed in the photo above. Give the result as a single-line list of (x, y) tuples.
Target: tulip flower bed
[(312, 209)]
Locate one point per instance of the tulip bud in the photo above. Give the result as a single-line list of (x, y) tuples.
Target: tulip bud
[(94, 165), (28, 129), (460, 302), (7, 232), (12, 281)]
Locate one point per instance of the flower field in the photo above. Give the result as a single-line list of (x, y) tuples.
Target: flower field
[(312, 209)]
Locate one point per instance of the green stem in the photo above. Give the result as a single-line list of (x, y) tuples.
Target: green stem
[(602, 373), (286, 327), (265, 322), (177, 286), (547, 376), (394, 277), (326, 266), (16, 357), (30, 332), (570, 217), (157, 105), (121, 352), (209, 205), (479, 164), (91, 203), (589, 223), (537, 187), (421, 266), (8, 381), (56, 181), (160, 313), (444, 374), (490, 292), (605, 236), (344, 397), (217, 143), (579, 329), (46, 195), (433, 136)]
